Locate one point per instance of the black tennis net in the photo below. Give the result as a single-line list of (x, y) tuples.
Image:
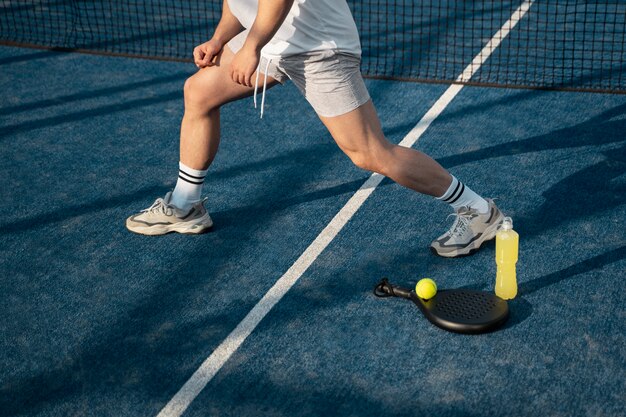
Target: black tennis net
[(557, 44)]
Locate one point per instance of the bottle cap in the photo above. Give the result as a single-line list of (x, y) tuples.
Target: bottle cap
[(507, 223)]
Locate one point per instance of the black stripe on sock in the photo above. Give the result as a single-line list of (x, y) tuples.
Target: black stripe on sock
[(189, 181), (191, 176), (458, 196), (458, 184)]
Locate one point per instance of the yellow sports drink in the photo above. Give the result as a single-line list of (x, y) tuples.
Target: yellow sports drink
[(507, 247)]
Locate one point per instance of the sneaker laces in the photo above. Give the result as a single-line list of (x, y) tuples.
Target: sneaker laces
[(461, 223), (159, 207)]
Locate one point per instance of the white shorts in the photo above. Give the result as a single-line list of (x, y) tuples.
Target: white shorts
[(330, 80)]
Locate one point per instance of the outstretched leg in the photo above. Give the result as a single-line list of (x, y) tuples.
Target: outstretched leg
[(358, 133)]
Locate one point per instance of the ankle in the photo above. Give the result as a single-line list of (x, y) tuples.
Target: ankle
[(188, 189)]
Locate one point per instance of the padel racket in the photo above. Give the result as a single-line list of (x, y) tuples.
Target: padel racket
[(459, 311)]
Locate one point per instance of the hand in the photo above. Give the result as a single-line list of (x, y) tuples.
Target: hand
[(205, 55), (244, 64)]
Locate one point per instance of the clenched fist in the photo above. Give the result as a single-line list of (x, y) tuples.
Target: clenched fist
[(204, 55)]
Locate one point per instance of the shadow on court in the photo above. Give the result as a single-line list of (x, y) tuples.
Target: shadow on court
[(577, 195), (91, 94)]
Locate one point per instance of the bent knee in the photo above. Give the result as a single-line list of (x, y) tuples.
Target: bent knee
[(199, 94), (367, 160), (374, 158)]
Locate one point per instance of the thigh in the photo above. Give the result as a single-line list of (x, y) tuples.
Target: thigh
[(213, 84), (357, 131)]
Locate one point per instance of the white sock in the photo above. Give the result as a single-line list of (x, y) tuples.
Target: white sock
[(459, 195), (188, 187)]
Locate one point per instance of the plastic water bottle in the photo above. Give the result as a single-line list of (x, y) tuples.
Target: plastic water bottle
[(507, 247)]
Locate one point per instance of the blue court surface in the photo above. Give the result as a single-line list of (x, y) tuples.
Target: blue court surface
[(97, 321)]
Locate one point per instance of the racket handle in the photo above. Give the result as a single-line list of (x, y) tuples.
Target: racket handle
[(401, 292), (385, 289)]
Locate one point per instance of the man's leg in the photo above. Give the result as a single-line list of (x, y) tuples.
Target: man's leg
[(205, 92), (358, 133)]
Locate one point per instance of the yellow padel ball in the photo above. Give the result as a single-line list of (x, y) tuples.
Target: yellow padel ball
[(426, 288)]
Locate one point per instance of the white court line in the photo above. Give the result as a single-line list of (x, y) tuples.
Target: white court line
[(183, 398)]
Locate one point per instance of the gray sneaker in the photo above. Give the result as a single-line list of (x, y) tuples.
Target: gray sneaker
[(469, 231), (162, 217)]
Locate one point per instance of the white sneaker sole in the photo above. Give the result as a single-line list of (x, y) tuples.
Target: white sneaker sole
[(198, 226)]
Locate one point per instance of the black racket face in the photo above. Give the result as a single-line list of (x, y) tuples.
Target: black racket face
[(464, 311)]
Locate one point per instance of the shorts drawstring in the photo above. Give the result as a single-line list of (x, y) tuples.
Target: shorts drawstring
[(256, 83)]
